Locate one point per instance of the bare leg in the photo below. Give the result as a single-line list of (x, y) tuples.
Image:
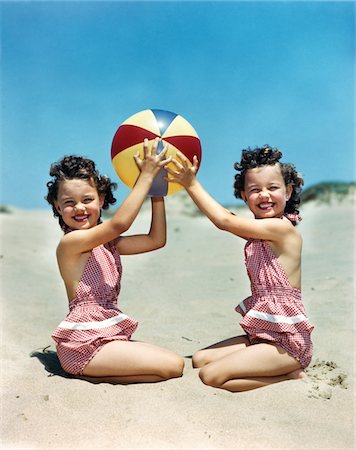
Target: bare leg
[(251, 367), (219, 350), (133, 362)]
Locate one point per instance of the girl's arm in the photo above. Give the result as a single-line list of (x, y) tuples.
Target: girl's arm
[(271, 229), (85, 240), (155, 239)]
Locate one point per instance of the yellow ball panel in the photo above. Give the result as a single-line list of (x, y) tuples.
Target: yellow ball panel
[(144, 119), (180, 127), (125, 165), (173, 187)]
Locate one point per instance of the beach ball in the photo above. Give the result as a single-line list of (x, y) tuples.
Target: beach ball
[(172, 128)]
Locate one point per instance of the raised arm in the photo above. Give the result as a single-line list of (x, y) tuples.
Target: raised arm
[(155, 239), (271, 229), (85, 240)]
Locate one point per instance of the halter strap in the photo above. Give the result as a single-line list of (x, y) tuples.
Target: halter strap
[(295, 218)]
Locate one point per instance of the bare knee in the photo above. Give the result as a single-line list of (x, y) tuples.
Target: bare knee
[(199, 359), (173, 368), (210, 377)]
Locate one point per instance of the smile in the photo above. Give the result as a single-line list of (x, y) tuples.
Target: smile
[(266, 206), (81, 218)]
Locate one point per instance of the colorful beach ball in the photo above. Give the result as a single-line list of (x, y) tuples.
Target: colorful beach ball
[(172, 128)]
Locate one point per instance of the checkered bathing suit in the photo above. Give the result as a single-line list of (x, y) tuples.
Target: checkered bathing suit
[(94, 318), (274, 312)]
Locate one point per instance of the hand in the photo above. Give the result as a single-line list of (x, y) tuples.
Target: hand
[(151, 162), (185, 174)]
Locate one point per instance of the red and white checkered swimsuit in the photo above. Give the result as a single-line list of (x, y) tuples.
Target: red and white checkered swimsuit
[(94, 318), (274, 312)]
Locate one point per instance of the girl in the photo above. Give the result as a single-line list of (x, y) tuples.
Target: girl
[(277, 344), (94, 341)]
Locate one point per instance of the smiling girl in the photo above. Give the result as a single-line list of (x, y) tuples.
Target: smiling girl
[(277, 344), (94, 341)]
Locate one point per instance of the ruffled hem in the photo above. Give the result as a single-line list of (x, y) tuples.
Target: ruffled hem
[(254, 327), (272, 315), (126, 327)]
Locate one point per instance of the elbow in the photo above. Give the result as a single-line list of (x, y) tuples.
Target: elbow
[(160, 243), (222, 223), (121, 226), (157, 238)]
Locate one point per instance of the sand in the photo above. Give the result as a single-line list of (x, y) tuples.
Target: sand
[(184, 297)]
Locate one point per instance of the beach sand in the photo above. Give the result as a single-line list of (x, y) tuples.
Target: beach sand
[(184, 297)]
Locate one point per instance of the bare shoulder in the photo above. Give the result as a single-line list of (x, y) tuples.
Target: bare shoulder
[(292, 233), (284, 228), (289, 241), (288, 251), (79, 241), (69, 253), (71, 265)]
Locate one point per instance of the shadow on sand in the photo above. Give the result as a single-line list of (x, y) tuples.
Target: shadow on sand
[(50, 361)]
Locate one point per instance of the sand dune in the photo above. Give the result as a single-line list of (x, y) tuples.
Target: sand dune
[(184, 297)]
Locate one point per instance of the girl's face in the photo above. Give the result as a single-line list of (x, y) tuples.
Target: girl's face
[(266, 193), (79, 204)]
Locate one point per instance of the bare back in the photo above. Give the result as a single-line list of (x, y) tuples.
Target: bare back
[(71, 267)]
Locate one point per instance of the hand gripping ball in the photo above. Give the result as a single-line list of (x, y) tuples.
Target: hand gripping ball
[(172, 128)]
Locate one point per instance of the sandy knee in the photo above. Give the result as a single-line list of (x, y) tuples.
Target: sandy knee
[(179, 366), (174, 368), (198, 359), (209, 377)]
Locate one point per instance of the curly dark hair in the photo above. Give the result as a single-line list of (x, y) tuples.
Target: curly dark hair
[(72, 167), (266, 155)]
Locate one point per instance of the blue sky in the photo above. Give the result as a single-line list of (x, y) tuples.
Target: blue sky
[(243, 73)]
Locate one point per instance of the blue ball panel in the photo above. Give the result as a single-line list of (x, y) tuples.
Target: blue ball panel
[(164, 118)]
